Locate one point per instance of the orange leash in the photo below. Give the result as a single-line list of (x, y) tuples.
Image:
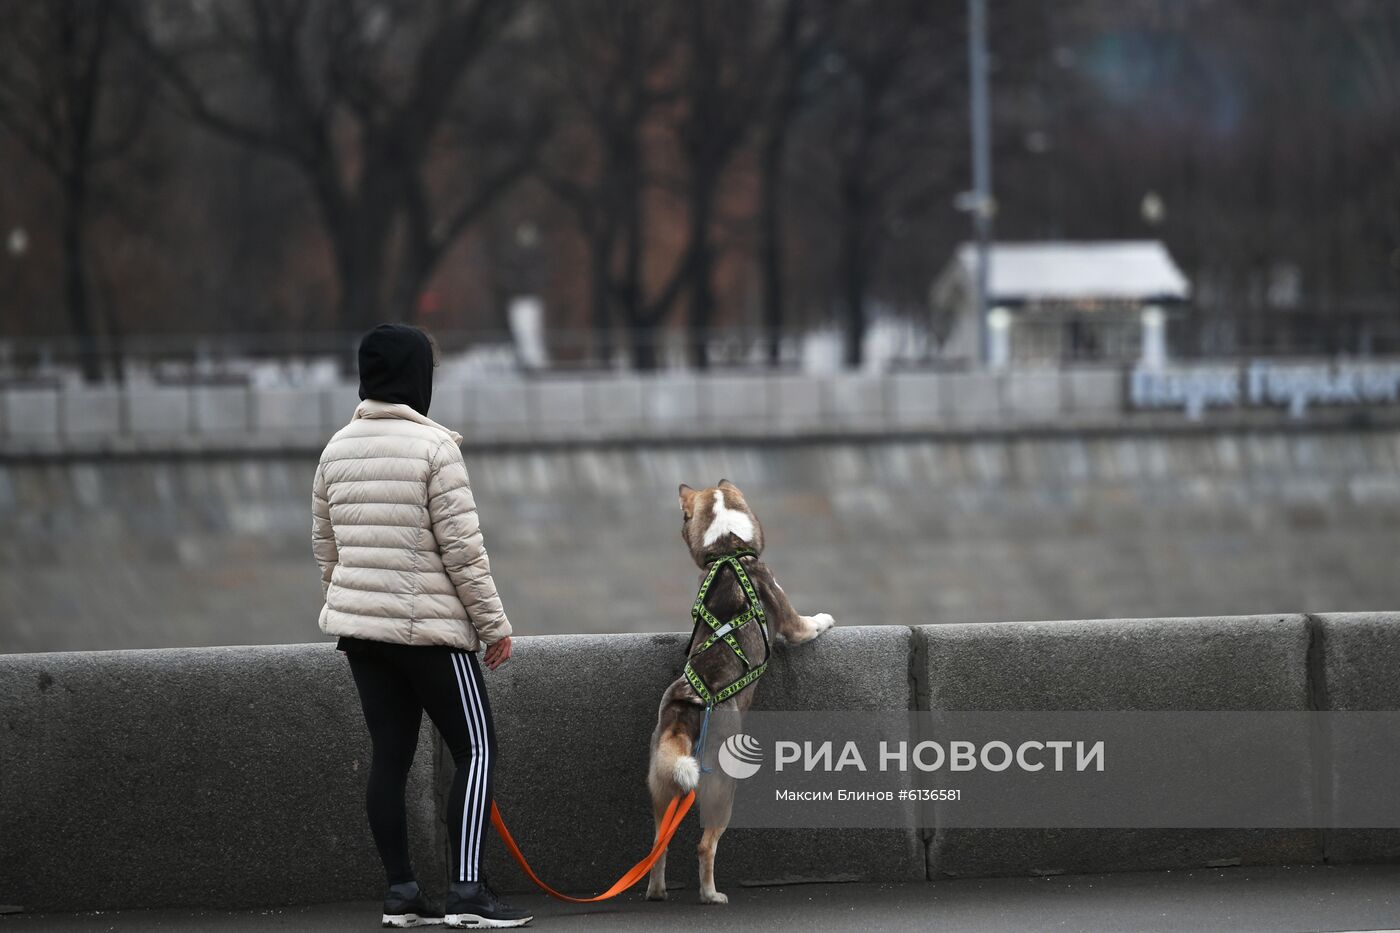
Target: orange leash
[(675, 812)]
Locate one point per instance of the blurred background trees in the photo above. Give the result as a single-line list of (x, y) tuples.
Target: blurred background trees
[(73, 101), (660, 172)]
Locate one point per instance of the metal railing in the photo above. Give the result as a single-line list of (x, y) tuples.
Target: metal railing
[(322, 358)]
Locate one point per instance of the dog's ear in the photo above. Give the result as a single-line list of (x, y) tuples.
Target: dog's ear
[(687, 494), (724, 482)]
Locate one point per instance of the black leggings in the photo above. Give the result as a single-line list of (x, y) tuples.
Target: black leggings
[(397, 683)]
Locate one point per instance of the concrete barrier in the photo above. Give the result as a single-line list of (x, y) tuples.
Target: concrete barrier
[(213, 777), (31, 413), (1033, 395), (672, 405), (163, 410), (736, 405), (858, 402), (288, 412), (221, 410), (451, 406), (235, 776), (1359, 666), (574, 408), (1244, 663), (617, 405), (574, 715), (87, 413), (338, 404), (501, 409), (1093, 390), (563, 407), (915, 400), (974, 399), (798, 404)]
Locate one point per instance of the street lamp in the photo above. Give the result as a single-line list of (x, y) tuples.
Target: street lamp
[(981, 160), (1154, 209)]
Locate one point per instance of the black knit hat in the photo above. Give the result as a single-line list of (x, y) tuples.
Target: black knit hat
[(396, 365)]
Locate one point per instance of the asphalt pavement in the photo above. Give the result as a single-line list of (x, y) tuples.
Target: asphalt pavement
[(1303, 899)]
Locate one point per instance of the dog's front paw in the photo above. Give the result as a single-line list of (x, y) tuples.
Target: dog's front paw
[(810, 627), (656, 892), (713, 897)]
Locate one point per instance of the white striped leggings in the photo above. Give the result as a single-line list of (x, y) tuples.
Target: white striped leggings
[(396, 684)]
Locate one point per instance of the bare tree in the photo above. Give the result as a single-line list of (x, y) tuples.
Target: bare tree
[(70, 101), (610, 58), (360, 97), (698, 70), (1371, 39), (875, 136), (730, 56), (802, 34)]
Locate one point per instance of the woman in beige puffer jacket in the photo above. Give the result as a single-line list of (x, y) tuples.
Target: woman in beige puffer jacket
[(399, 544), (408, 589)]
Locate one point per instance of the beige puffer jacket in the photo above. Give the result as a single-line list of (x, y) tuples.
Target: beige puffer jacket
[(396, 533)]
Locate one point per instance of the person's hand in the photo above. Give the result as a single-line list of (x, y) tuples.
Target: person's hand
[(498, 653)]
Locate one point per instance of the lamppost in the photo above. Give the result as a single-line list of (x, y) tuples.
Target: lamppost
[(16, 245), (981, 203)]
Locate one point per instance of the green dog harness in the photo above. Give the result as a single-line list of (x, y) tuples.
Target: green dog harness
[(726, 631)]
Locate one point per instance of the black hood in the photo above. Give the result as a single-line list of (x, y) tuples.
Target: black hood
[(396, 365)]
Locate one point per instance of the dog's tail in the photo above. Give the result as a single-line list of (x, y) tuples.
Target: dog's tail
[(686, 772), (674, 762)]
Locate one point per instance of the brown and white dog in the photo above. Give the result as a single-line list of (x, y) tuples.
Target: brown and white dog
[(716, 521)]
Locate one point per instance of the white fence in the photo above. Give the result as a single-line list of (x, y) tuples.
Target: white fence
[(602, 407), (560, 409)]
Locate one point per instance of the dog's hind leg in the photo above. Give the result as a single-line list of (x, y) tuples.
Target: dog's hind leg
[(656, 886), (709, 842), (673, 771), (716, 806)]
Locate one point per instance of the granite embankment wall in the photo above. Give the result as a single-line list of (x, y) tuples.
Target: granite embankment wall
[(235, 776), (186, 550)]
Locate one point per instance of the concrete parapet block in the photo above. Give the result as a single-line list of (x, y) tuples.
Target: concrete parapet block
[(159, 411), (290, 413), (799, 403), (1033, 396), (1360, 660), (564, 407), (1092, 390), (574, 716), (1227, 663), (338, 405), (857, 401), (30, 414), (215, 777), (973, 399), (90, 413), (673, 405), (1357, 667), (861, 668), (857, 668), (915, 400), (450, 408), (617, 406), (736, 405), (220, 411), (500, 408), (1238, 663)]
